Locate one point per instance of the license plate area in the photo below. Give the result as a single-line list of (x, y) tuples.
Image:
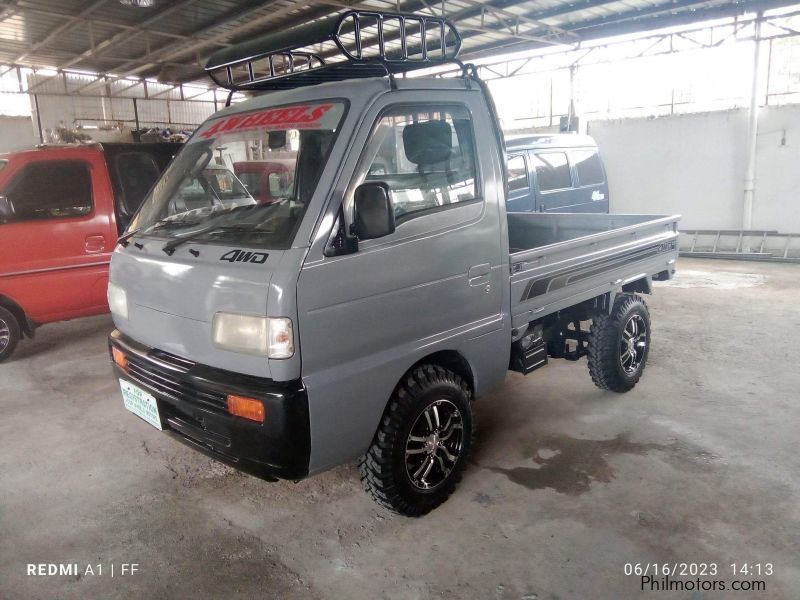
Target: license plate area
[(140, 403)]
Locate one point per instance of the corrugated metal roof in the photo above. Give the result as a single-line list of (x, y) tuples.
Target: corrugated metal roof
[(171, 40)]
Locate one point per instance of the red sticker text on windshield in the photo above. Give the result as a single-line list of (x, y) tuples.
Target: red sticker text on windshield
[(294, 117)]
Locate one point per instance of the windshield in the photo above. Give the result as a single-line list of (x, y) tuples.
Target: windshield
[(200, 195)]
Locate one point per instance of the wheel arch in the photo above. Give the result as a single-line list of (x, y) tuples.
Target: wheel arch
[(26, 326), (449, 359), (643, 285)]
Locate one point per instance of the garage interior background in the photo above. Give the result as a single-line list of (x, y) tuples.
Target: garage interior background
[(687, 100)]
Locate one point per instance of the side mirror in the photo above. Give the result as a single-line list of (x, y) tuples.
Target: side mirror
[(6, 208), (374, 213)]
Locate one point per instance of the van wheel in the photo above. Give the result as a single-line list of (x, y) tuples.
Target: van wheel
[(619, 344), (419, 452), (9, 333)]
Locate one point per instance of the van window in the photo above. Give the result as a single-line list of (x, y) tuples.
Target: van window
[(426, 155), (517, 174), (51, 190), (552, 171), (588, 167), (137, 172)]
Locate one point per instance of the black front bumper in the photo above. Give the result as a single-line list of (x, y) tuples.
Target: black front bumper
[(192, 403)]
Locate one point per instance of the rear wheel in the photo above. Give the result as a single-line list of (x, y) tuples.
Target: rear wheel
[(9, 333), (419, 452), (619, 344)]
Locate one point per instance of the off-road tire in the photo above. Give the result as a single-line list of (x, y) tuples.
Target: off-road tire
[(384, 470), (9, 333), (606, 341)]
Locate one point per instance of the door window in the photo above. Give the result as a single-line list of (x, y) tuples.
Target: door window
[(552, 171), (51, 190), (517, 174), (588, 167), (426, 156)]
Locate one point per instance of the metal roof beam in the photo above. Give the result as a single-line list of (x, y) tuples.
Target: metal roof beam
[(170, 51), (27, 8), (61, 29), (9, 10), (629, 23), (126, 35)]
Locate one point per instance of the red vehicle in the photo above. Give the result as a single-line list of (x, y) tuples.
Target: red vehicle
[(266, 180), (62, 209)]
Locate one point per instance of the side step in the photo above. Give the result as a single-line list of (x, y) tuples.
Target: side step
[(529, 353)]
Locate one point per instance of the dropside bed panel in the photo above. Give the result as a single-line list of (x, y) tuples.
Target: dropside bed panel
[(561, 274)]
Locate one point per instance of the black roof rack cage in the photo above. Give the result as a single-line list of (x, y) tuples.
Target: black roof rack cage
[(351, 45)]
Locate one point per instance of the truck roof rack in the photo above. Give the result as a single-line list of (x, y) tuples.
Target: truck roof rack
[(351, 45)]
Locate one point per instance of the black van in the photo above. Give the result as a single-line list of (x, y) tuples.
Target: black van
[(555, 172)]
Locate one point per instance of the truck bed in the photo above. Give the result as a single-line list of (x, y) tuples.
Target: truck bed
[(559, 260)]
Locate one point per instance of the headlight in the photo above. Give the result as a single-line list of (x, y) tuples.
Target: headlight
[(264, 336), (117, 300)]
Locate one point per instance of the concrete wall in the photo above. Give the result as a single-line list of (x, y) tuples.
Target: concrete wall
[(17, 133), (694, 165)]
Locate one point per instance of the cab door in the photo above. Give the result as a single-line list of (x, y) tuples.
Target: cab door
[(56, 242), (436, 283)]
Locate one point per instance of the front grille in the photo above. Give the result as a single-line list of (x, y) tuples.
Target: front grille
[(181, 364), (171, 384)]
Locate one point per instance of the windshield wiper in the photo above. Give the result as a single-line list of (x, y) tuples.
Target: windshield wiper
[(123, 239), (169, 247), (170, 223)]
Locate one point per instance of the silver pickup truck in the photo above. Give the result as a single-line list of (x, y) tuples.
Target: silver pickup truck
[(363, 313)]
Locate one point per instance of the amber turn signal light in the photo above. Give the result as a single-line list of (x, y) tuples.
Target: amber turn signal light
[(120, 358), (247, 408)]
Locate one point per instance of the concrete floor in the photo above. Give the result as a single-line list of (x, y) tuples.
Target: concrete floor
[(567, 484)]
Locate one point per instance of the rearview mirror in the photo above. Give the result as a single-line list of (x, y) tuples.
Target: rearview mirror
[(276, 140), (374, 213), (6, 208)]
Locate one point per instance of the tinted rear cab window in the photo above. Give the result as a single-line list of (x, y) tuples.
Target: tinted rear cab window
[(588, 167), (552, 171)]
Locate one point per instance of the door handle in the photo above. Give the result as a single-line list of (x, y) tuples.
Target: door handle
[(479, 274), (94, 243)]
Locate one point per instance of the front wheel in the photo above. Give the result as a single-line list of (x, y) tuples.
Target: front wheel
[(9, 333), (419, 452), (619, 343)]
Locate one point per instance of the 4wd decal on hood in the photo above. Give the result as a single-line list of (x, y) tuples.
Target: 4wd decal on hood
[(307, 116), (244, 256)]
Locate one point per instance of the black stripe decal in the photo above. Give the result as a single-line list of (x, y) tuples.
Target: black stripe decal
[(539, 287)]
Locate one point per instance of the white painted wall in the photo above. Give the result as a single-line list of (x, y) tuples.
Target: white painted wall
[(17, 133), (694, 165)]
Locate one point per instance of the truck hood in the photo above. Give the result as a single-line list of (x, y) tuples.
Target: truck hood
[(172, 299)]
